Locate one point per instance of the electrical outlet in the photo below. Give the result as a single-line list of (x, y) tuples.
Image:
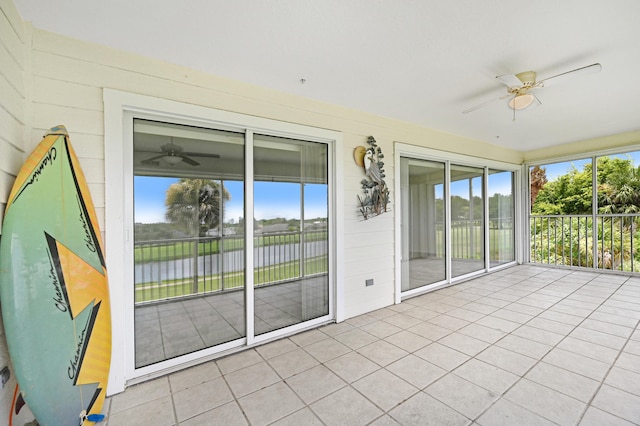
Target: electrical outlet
[(368, 282)]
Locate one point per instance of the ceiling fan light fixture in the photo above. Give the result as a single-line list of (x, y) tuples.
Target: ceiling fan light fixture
[(521, 101), (172, 159)]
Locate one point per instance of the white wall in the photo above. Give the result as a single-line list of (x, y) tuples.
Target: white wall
[(68, 78), (13, 94)]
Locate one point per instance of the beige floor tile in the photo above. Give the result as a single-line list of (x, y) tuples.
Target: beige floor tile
[(524, 346), (251, 379), (463, 343), (308, 337), (481, 308), (326, 350), (384, 389), (361, 320), (156, 412), (227, 415), (598, 337), (416, 371), (538, 335), (408, 341), (336, 328), (577, 363), (420, 313), (629, 361), (562, 317), (356, 338), (302, 417), (624, 379), (551, 325), (238, 361), (200, 398), (466, 314), (316, 383), (402, 320), (442, 356), (511, 315), (506, 413), (572, 384), (618, 403), (345, 407), (429, 331), (591, 350), (352, 366), (293, 362), (422, 409), (546, 402), (193, 376), (461, 395), (596, 417), (449, 322), (276, 348), (382, 353), (385, 420), (506, 359), (486, 375), (498, 323), (140, 394), (270, 404), (632, 347), (480, 332), (380, 329)]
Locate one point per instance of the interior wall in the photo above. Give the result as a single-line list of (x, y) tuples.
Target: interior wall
[(13, 94)]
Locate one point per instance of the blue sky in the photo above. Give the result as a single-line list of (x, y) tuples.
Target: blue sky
[(557, 169), (271, 199)]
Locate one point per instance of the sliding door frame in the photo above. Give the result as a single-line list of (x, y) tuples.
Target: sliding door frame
[(428, 154), (120, 108)]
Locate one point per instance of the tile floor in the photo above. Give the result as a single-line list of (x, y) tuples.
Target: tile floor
[(524, 346)]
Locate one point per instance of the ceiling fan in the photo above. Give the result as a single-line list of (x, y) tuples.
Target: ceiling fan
[(174, 154), (520, 87)]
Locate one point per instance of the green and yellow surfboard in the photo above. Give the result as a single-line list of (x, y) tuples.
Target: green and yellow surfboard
[(53, 288)]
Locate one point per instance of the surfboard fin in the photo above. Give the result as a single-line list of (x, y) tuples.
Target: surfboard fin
[(95, 418)]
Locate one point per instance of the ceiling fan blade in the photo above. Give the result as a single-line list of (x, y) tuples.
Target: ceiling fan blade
[(152, 159), (466, 111), (189, 161), (510, 80), (589, 69), (197, 154)]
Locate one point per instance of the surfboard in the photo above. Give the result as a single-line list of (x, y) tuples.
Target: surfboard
[(53, 288)]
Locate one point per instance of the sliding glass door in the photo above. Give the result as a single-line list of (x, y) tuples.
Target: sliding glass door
[(449, 227), (467, 219), (423, 230), (191, 247)]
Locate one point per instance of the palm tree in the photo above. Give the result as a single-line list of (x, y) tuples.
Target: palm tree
[(195, 204)]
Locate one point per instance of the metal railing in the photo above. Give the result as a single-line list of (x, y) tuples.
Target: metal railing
[(172, 268), (573, 240)]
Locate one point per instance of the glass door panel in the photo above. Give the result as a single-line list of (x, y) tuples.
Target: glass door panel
[(501, 215), (291, 214), (467, 220), (423, 228), (188, 239)]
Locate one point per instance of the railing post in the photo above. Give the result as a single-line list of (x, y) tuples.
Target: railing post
[(195, 266)]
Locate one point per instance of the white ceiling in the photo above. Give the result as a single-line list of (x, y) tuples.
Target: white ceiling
[(422, 61)]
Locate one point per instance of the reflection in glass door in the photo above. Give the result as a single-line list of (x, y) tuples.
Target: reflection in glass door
[(291, 213), (188, 240), (467, 220), (423, 227), (501, 214)]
